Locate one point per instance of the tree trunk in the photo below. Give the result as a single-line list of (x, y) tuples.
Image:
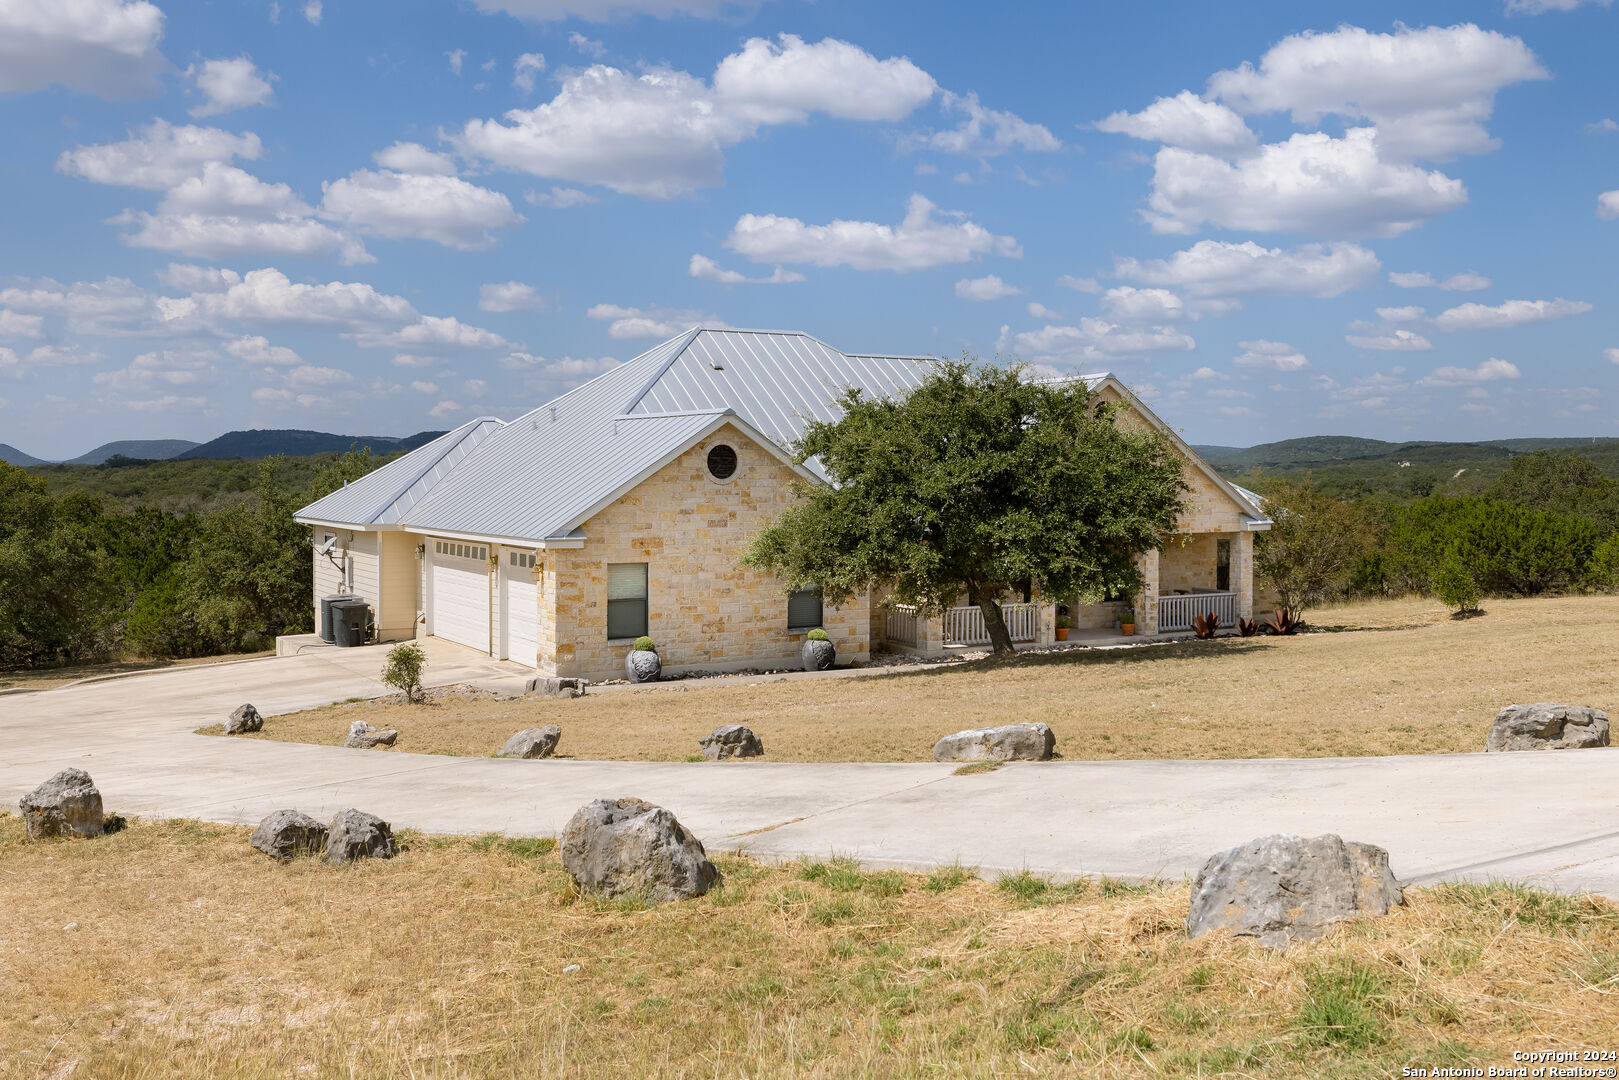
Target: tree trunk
[(1000, 638)]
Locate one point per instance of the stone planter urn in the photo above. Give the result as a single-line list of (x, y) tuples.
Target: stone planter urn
[(819, 653), (642, 663)]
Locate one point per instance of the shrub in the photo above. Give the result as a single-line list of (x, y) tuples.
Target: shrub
[(1454, 584), (645, 644), (1509, 550), (404, 669), (817, 634)]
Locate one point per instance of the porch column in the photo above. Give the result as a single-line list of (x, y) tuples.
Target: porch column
[(1045, 627), (1147, 602), (1242, 573), (930, 635)]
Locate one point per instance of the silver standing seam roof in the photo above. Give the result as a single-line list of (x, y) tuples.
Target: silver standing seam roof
[(543, 475)]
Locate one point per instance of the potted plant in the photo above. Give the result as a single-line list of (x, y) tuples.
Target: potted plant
[(1062, 627), (819, 653), (642, 663), (1127, 622)]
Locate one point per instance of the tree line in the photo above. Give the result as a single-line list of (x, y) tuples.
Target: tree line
[(84, 576)]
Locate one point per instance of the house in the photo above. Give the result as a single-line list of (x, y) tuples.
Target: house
[(621, 509)]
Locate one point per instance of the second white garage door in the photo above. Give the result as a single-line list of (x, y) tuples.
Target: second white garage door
[(461, 593), (519, 604)]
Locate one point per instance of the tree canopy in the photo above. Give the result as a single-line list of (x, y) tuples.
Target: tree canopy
[(978, 483)]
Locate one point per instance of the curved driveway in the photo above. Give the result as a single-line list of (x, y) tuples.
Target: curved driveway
[(1551, 819)]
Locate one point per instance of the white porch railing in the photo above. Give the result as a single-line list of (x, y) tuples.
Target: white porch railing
[(1176, 612), (899, 625), (965, 625)]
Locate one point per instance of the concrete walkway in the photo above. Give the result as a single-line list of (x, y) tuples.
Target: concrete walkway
[(1551, 819)]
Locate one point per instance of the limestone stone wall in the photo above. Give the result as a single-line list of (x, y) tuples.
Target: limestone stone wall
[(704, 610)]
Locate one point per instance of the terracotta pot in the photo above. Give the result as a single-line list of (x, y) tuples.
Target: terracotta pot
[(1127, 629), (1062, 633)]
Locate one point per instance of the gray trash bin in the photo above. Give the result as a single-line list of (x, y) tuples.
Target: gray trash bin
[(351, 622), (327, 629)]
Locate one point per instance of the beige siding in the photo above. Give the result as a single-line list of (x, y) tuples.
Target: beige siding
[(397, 600), (366, 552), (704, 609)]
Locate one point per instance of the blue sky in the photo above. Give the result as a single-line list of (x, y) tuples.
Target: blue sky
[(1394, 220)]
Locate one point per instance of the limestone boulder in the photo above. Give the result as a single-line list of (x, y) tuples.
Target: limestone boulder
[(243, 719), (355, 834), (630, 848), (287, 833), (534, 742), (1547, 726), (1010, 742), (1280, 888), (642, 665), (731, 741), (362, 736), (68, 804), (549, 686), (819, 655)]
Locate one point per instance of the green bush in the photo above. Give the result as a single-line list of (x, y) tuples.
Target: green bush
[(1510, 550), (403, 669), (1454, 584), (645, 644), (817, 635)]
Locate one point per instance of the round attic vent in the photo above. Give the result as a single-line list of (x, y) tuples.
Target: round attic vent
[(721, 462)]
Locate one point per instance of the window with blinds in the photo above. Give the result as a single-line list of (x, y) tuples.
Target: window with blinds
[(804, 609), (626, 600)]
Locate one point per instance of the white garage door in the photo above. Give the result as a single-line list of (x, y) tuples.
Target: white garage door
[(461, 593), (518, 607)]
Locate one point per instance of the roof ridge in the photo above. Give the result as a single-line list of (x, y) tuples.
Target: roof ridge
[(668, 362)]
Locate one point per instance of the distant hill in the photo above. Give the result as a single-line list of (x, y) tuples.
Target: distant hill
[(140, 449), (12, 456), (296, 443)]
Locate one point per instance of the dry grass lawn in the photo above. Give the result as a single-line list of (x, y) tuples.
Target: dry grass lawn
[(46, 678), (1393, 677), (173, 949)]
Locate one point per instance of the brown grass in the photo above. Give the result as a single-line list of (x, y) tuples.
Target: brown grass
[(46, 678), (1396, 677), (173, 949)]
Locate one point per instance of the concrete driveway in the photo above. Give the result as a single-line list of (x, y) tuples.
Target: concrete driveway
[(1551, 819)]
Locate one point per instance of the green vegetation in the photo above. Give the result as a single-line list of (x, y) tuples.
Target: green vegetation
[(645, 644), (979, 482), (87, 575), (403, 669), (817, 634), (1454, 584)]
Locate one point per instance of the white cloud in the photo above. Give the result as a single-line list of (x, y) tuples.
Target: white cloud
[(921, 241), (258, 350), (1312, 183), (1092, 341), (984, 132), (1411, 280), (1039, 311), (445, 408), (167, 403), (985, 288), (511, 296), (1186, 120), (456, 56), (706, 269), (663, 133), (1206, 374), (1606, 126), (1276, 355), (1134, 305), (314, 377), (1214, 268), (188, 277), (266, 395), (63, 356), (1401, 314), (1389, 340), (313, 12), (159, 156), (1511, 313), (1488, 371), (108, 48), (1466, 281), (527, 67), (211, 236), (1079, 284), (424, 387), (229, 85), (586, 47), (1608, 205), (444, 209), (110, 307), (434, 336), (14, 325), (410, 157), (783, 81), (1427, 91), (649, 322), (567, 369), (163, 367), (268, 298), (225, 189), (1540, 7), (559, 198), (1612, 355), (605, 10)]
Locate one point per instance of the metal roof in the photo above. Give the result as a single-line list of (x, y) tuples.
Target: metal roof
[(544, 474)]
